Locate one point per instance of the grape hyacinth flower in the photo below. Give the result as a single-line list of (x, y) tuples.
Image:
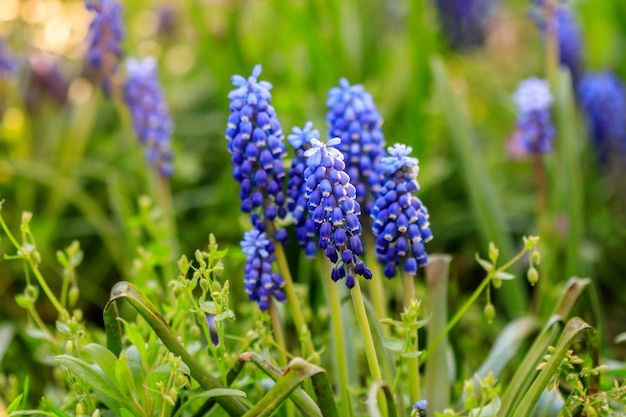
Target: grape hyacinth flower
[(464, 22), (332, 205), (255, 141), (353, 118), (150, 115), (534, 132), (602, 96), (300, 140), (260, 281), (420, 409), (8, 66), (400, 219), (105, 40), (568, 33)]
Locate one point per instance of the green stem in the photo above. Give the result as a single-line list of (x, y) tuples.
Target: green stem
[(282, 357), (460, 312), (304, 334), (378, 290), (413, 362), (334, 301), (370, 350)]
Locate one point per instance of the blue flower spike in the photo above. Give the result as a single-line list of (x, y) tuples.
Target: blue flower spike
[(261, 282), (464, 22), (150, 115), (8, 65), (332, 205), (534, 132), (105, 40), (602, 97), (255, 141), (353, 117), (420, 409), (400, 220)]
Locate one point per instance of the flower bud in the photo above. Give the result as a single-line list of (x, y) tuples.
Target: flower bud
[(490, 312), (533, 275), (493, 253)]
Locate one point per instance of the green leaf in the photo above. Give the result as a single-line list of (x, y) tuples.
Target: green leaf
[(372, 400), (393, 344), (15, 403), (490, 410), (104, 358), (124, 377), (413, 354), (54, 409), (487, 266), (219, 392), (228, 314), (208, 306), (83, 371), (124, 290)]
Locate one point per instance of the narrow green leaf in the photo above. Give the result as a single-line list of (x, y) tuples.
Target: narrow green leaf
[(15, 403), (83, 371), (104, 358), (505, 276), (372, 400), (219, 392), (56, 411), (296, 372), (489, 410), (228, 314), (235, 406), (574, 329), (437, 376), (124, 377), (412, 354), (487, 265)]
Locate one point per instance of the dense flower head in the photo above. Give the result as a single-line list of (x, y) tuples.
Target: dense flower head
[(534, 131), (353, 118), (105, 39), (464, 22), (333, 207), (400, 220), (300, 140), (260, 280), (8, 65), (602, 96), (150, 116), (255, 141), (568, 33)]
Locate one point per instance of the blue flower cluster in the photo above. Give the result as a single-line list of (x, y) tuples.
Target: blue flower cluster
[(602, 96), (464, 22), (150, 115), (300, 140), (260, 281), (353, 118), (535, 132), (255, 140), (401, 224), (568, 33), (105, 39), (333, 207), (7, 62), (420, 408)]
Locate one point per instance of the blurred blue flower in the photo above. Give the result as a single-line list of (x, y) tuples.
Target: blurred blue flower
[(353, 118), (105, 40), (568, 33), (534, 132), (255, 141), (150, 115), (8, 65), (602, 96), (333, 207), (300, 140), (420, 408), (260, 280), (464, 22), (400, 220)]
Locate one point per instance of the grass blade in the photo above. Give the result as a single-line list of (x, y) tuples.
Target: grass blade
[(372, 400)]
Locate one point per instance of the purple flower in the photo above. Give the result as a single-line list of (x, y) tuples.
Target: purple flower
[(150, 115), (464, 22), (602, 97), (353, 118), (333, 207), (8, 66), (260, 280), (534, 132), (105, 40), (255, 141), (420, 408), (400, 220)]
